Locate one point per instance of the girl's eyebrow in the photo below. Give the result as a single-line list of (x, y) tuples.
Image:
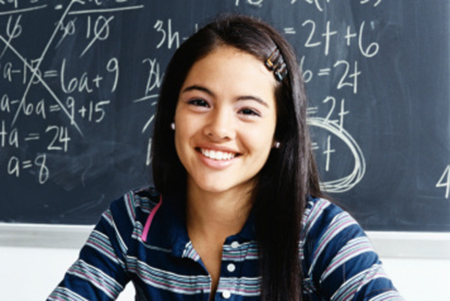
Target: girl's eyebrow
[(207, 91), (196, 87), (255, 98)]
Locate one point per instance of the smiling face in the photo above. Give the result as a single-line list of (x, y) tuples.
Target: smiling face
[(225, 121)]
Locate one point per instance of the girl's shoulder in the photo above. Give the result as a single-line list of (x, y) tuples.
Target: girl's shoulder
[(326, 224), (323, 211), (137, 203)]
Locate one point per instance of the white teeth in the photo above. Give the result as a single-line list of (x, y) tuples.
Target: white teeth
[(217, 155)]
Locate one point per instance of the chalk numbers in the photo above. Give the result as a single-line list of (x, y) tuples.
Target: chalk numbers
[(60, 139), (329, 36), (15, 166), (167, 35), (444, 181), (13, 27)]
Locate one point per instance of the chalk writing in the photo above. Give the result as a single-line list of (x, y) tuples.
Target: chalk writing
[(347, 78), (343, 74), (444, 182), (349, 181), (100, 29), (15, 166), (374, 2), (258, 3), (154, 77), (72, 91), (11, 138), (167, 34), (315, 39)]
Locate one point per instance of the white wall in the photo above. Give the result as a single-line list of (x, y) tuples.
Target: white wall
[(420, 279), (29, 273)]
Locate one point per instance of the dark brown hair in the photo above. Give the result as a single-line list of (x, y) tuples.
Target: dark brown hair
[(289, 175)]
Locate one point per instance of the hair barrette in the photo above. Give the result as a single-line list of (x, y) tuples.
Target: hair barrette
[(281, 72), (269, 62), (275, 63)]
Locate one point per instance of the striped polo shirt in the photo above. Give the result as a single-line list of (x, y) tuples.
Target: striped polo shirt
[(142, 238)]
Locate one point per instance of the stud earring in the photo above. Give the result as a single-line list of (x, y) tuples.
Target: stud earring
[(276, 144), (172, 126)]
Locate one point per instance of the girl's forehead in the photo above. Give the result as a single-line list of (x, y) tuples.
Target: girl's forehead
[(227, 59), (230, 71)]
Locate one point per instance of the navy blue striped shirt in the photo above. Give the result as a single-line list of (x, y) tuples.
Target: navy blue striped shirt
[(338, 260)]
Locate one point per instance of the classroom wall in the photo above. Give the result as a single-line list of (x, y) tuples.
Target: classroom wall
[(30, 273)]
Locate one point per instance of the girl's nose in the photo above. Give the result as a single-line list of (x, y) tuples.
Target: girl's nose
[(220, 126)]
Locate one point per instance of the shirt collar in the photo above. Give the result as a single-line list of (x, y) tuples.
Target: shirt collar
[(168, 228)]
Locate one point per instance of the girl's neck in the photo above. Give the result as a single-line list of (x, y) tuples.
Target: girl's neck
[(216, 215)]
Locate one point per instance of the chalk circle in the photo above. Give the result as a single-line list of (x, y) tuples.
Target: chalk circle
[(348, 182)]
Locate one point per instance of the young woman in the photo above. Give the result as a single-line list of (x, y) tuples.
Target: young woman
[(236, 212)]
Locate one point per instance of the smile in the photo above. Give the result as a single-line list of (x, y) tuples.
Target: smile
[(217, 155)]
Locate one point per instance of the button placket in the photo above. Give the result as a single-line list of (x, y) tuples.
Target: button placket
[(231, 267)]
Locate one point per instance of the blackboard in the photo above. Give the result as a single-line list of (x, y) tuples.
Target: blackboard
[(79, 81)]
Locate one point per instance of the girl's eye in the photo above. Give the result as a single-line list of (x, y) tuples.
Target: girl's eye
[(249, 112), (199, 102)]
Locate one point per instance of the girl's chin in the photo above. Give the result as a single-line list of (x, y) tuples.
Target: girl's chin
[(218, 185)]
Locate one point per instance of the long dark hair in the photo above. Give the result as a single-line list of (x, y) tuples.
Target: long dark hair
[(289, 175)]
